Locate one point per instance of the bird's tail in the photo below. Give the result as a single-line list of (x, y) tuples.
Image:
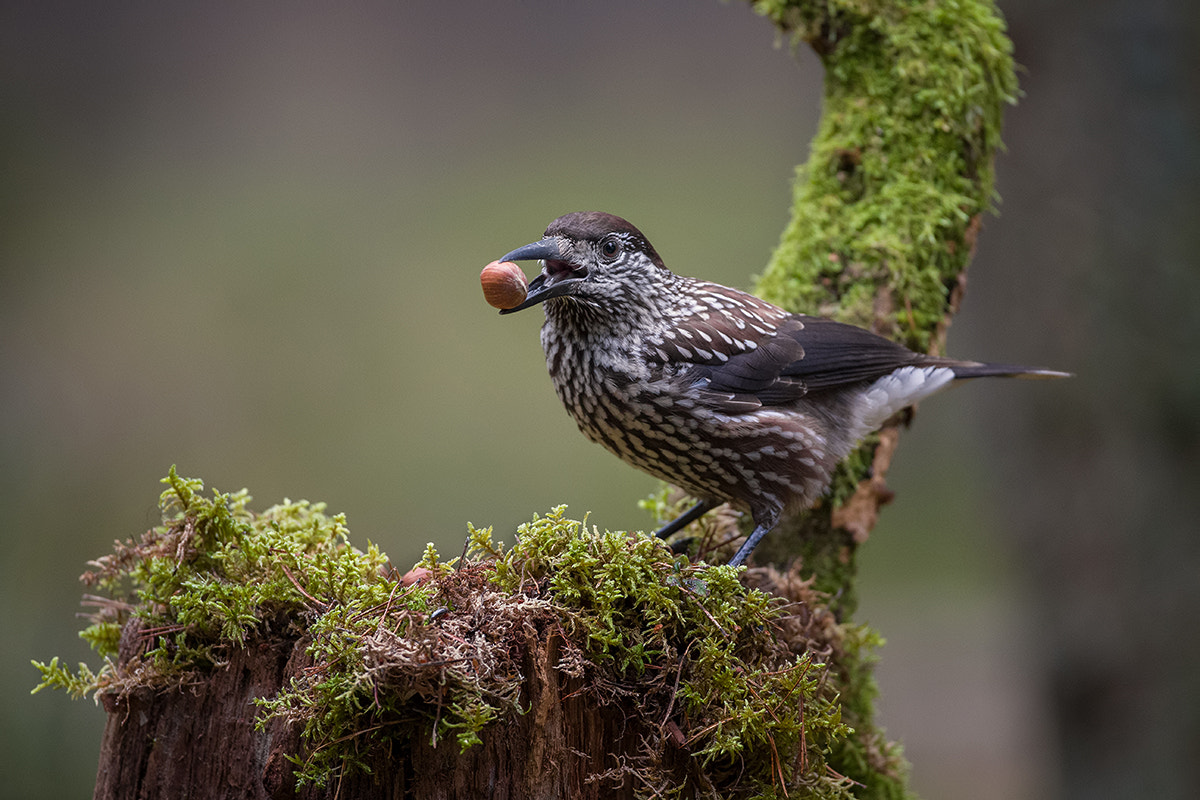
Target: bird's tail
[(964, 370), (908, 384)]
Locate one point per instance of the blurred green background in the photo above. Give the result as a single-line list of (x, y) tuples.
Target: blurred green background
[(245, 239)]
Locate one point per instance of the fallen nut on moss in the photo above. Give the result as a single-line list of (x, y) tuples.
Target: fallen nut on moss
[(503, 284)]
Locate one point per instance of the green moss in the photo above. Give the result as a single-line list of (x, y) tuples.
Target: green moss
[(441, 657), (78, 684), (688, 637), (901, 166), (872, 760), (215, 574)]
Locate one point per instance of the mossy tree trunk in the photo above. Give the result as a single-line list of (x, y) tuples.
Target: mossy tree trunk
[(884, 221), (886, 211)]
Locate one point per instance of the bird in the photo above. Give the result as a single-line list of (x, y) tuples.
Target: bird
[(729, 397)]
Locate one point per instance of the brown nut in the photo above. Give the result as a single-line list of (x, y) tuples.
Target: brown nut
[(503, 284)]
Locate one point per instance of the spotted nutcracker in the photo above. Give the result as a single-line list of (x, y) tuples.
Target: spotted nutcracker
[(725, 395)]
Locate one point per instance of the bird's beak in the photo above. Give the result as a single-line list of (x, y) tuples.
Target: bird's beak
[(558, 275)]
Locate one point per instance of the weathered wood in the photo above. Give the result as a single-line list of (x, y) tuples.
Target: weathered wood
[(198, 740)]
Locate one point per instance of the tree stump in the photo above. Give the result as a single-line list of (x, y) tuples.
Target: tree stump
[(198, 739)]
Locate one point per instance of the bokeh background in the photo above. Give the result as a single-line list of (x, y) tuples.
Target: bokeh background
[(245, 239)]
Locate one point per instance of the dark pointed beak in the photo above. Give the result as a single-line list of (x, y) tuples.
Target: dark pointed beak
[(558, 275), (538, 251)]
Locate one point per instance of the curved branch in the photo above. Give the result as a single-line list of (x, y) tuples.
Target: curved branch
[(886, 211)]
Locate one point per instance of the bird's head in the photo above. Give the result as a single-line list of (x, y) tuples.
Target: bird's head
[(590, 259)]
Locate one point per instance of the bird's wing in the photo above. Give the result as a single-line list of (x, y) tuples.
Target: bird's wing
[(837, 354), (734, 362)]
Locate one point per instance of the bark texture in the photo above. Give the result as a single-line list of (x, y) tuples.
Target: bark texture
[(198, 740)]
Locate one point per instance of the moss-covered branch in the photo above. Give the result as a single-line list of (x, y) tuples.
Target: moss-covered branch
[(887, 208), (884, 220)]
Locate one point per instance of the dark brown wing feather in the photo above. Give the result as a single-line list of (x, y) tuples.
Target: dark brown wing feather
[(837, 354), (775, 361)]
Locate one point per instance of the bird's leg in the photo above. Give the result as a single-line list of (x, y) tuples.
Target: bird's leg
[(763, 523), (686, 518)]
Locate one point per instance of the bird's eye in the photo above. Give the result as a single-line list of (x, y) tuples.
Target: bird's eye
[(609, 248)]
